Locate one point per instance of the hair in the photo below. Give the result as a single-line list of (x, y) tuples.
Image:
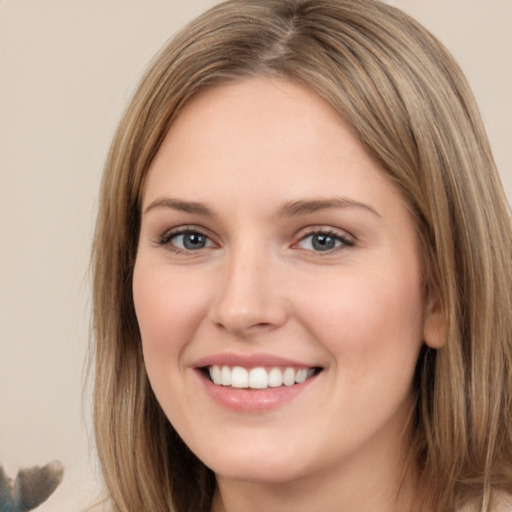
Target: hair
[(407, 101)]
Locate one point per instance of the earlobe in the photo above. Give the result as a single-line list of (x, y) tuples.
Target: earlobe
[(434, 327)]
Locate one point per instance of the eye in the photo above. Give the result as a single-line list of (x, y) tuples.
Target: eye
[(324, 241), (186, 240)]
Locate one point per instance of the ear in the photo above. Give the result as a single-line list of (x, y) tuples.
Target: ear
[(434, 325)]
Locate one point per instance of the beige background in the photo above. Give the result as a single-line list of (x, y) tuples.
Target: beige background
[(67, 68)]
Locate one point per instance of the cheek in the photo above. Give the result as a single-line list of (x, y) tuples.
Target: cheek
[(168, 309), (372, 321)]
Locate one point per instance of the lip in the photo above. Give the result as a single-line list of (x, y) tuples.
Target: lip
[(250, 361), (252, 400)]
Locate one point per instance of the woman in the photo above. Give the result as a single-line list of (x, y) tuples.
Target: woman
[(302, 297)]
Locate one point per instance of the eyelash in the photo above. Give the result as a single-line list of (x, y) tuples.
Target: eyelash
[(166, 238), (344, 241)]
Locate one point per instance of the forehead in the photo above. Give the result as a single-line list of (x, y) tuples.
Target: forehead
[(242, 130), (256, 102)]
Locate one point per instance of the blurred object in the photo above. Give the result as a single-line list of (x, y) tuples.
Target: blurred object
[(31, 487)]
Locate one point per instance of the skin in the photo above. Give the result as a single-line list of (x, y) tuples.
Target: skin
[(261, 286)]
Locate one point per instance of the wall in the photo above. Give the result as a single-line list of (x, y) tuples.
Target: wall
[(67, 68)]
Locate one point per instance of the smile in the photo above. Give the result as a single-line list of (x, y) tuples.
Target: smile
[(259, 377)]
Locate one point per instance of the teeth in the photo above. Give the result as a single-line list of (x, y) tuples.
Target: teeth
[(289, 377), (216, 374), (301, 375), (275, 378), (239, 377), (258, 378), (225, 376)]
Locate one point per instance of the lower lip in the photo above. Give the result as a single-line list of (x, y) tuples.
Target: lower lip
[(253, 400)]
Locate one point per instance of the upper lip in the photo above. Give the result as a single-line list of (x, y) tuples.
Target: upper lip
[(250, 361)]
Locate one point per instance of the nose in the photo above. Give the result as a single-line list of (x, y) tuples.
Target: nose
[(249, 299)]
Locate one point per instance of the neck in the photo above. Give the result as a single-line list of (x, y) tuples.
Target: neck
[(376, 484)]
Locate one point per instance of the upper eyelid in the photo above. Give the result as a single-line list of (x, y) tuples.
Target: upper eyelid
[(180, 230), (330, 230)]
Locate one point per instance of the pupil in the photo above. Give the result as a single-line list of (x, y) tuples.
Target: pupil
[(323, 242), (193, 241)]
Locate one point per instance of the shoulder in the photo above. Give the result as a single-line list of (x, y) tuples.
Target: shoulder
[(501, 502)]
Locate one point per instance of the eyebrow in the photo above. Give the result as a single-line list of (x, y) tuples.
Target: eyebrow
[(179, 205), (305, 207), (288, 209)]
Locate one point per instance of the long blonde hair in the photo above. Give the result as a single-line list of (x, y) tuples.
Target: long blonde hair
[(409, 104)]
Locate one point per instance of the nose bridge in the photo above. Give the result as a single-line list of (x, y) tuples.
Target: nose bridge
[(247, 299)]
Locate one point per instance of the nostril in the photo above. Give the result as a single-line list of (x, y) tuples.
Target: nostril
[(242, 330), (261, 325)]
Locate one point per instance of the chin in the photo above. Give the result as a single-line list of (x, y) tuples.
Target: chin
[(256, 466), (257, 473)]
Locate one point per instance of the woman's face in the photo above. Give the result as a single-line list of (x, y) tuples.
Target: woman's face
[(272, 250)]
